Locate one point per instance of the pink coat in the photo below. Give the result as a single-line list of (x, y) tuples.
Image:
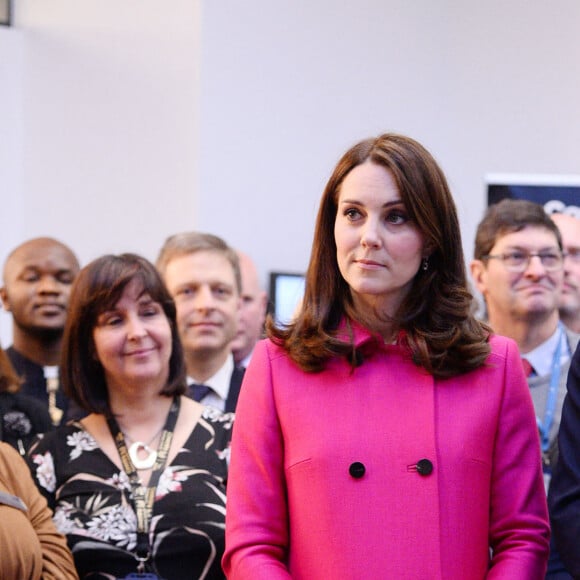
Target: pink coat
[(325, 480)]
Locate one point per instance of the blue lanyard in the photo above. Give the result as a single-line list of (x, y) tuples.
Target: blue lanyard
[(552, 400)]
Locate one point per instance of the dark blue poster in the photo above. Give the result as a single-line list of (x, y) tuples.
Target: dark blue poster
[(557, 193)]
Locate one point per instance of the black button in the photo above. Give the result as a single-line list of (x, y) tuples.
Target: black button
[(424, 467), (357, 469)]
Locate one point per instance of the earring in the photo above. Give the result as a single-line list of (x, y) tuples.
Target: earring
[(425, 264)]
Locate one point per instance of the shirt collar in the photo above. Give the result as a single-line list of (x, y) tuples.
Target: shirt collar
[(220, 382), (542, 356)]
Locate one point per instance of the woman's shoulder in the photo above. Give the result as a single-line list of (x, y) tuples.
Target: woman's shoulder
[(268, 351), (15, 478), (194, 413), (8, 457), (504, 357), (62, 436), (15, 475), (502, 346), (269, 347), (218, 419)]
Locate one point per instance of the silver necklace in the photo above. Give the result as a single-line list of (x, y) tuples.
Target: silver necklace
[(136, 450)]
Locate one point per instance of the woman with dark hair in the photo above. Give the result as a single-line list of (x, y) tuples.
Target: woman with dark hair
[(385, 433), (138, 486), (21, 417)]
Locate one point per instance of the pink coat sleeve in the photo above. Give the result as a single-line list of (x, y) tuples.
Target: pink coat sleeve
[(257, 515), (519, 525)]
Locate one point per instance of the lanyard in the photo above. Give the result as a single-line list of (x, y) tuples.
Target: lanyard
[(143, 498), (555, 368)]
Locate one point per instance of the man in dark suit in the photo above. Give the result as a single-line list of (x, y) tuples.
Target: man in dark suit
[(564, 495), (202, 274), (252, 314)]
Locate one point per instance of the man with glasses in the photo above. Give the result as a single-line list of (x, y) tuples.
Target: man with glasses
[(518, 267)]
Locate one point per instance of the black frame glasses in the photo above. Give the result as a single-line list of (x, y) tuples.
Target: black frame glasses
[(519, 261)]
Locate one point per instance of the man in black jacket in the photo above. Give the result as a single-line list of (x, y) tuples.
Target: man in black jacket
[(564, 495), (38, 276)]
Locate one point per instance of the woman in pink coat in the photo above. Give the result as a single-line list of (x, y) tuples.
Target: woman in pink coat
[(384, 433)]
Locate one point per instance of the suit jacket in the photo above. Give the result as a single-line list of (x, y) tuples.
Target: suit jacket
[(564, 494), (384, 471), (234, 392), (34, 385)]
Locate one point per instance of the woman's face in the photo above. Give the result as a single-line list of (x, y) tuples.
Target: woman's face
[(133, 340), (378, 248)]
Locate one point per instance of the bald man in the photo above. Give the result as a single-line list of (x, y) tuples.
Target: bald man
[(252, 313), (569, 227), (37, 280)]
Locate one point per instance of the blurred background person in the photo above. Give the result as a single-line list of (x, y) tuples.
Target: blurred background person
[(31, 548), (384, 433), (137, 486), (38, 276), (202, 274), (518, 267), (21, 417), (569, 227), (564, 495), (252, 313)]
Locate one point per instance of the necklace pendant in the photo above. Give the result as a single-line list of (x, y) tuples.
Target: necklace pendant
[(147, 462)]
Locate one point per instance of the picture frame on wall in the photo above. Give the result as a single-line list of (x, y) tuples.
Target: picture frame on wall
[(557, 193), (5, 12)]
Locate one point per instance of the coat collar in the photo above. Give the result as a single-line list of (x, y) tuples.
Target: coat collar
[(351, 331)]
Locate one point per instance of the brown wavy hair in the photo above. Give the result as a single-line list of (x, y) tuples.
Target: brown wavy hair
[(436, 316), (97, 288)]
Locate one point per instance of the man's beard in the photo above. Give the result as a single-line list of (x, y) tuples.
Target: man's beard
[(43, 333)]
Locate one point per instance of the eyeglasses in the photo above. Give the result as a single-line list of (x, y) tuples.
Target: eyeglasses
[(519, 261), (573, 254)]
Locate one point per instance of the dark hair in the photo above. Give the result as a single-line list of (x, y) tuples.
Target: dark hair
[(506, 217), (436, 315), (9, 380), (191, 242), (98, 287)]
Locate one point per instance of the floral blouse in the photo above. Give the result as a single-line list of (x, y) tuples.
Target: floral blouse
[(92, 502)]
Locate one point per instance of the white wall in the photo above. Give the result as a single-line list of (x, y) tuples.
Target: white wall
[(11, 214), (134, 119), (488, 86), (109, 121), (284, 95)]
